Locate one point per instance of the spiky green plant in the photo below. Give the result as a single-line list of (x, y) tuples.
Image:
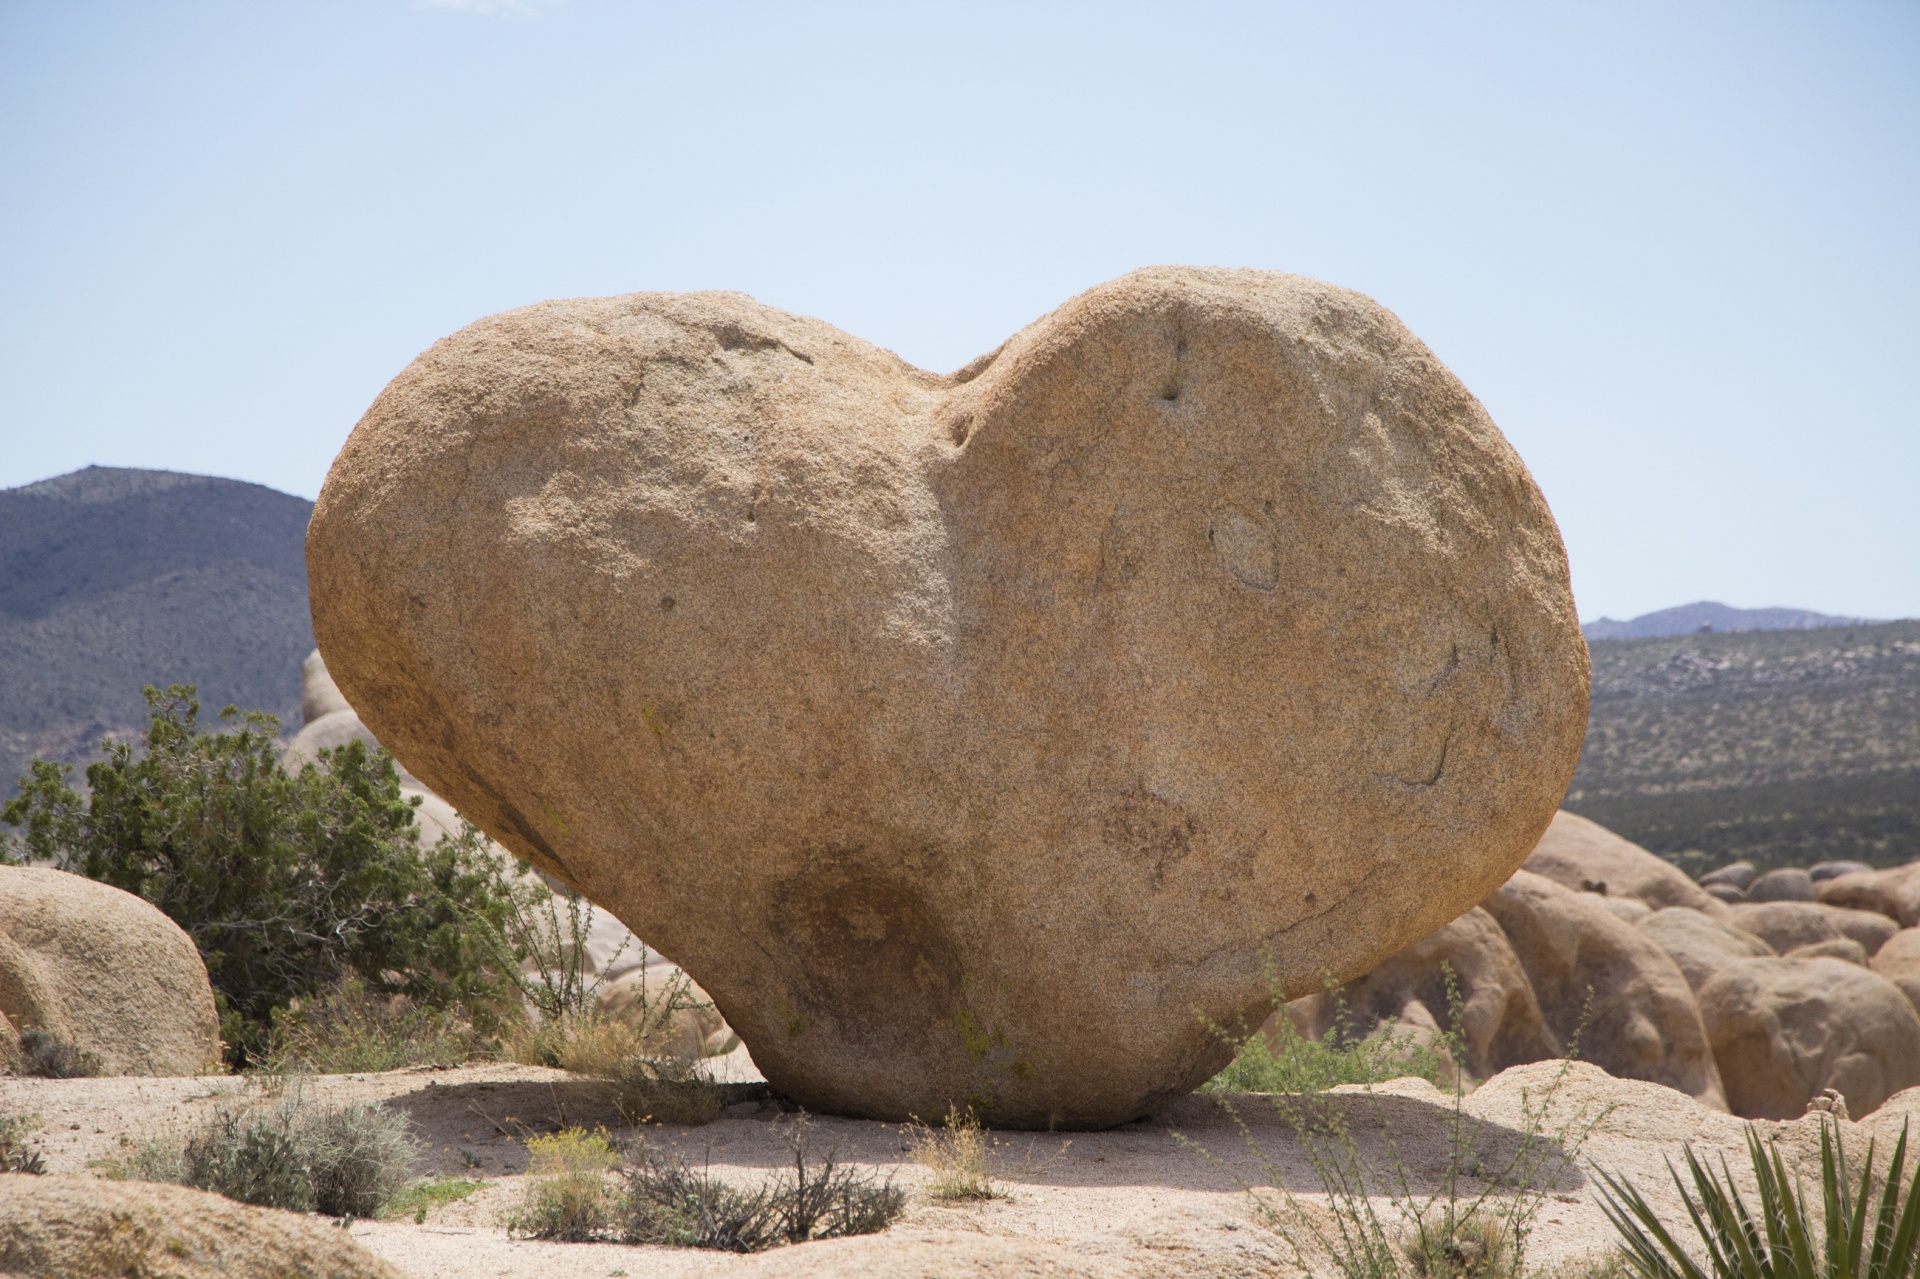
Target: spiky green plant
[(1782, 1240)]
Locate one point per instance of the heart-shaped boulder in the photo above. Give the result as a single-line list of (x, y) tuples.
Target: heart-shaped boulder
[(995, 739)]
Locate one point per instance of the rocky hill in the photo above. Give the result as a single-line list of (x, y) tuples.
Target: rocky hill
[(1787, 747), (1709, 617), (112, 579)]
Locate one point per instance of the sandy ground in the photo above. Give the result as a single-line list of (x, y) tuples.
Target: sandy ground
[(1179, 1193)]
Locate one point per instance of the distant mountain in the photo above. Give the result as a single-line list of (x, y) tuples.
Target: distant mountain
[(1709, 617), (1787, 747), (112, 579)]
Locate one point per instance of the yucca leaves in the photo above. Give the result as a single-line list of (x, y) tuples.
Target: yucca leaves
[(1733, 1242)]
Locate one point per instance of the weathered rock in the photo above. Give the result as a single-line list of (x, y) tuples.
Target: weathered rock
[(1820, 872), (1584, 855), (1788, 926), (1700, 946), (1643, 1023), (1631, 909), (1500, 1023), (105, 972), (1868, 927), (1899, 962), (1015, 719), (1726, 893), (1734, 874), (69, 1227), (1788, 884), (1784, 1029), (1894, 892), (1841, 948)]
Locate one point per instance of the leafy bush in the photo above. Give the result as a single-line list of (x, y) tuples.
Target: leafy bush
[(17, 1152), (956, 1153), (50, 1057), (289, 1153), (1780, 1241), (288, 883), (568, 1197)]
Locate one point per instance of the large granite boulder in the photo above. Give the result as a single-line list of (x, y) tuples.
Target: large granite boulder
[(103, 971), (1899, 962), (1499, 1021), (1783, 1030), (1699, 946), (1894, 892), (1019, 720), (1585, 856), (1608, 983), (1789, 925)]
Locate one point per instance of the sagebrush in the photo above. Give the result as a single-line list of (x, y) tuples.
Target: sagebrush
[(288, 1152)]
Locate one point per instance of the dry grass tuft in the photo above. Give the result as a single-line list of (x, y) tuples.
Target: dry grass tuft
[(955, 1150)]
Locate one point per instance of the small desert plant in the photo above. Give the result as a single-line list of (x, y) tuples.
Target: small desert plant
[(669, 1203), (662, 1200), (646, 1087), (417, 1199), (543, 945), (352, 1029), (284, 1152), (568, 1197), (18, 1153), (1782, 1239), (50, 1057), (955, 1151), (1292, 1063), (1473, 1224)]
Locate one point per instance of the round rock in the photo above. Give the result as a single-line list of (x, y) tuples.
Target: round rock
[(975, 738)]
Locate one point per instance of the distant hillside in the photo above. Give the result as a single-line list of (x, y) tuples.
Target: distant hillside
[(1707, 616), (112, 579), (1787, 746)]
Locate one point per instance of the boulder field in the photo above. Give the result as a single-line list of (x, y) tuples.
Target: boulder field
[(1017, 723), (1754, 1006)]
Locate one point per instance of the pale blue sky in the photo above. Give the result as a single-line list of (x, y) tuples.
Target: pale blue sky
[(1674, 247)]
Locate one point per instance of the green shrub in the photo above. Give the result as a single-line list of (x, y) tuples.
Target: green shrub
[(18, 1153), (289, 883), (289, 1153), (50, 1057), (1302, 1065), (1781, 1239), (568, 1197)]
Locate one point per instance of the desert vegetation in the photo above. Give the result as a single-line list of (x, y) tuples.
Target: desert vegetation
[(583, 1189), (290, 884), (1776, 747)]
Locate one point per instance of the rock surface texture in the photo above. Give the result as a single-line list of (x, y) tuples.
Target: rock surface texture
[(1581, 854), (84, 1226), (1700, 946), (1784, 1029), (104, 971), (1610, 983), (1008, 717)]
